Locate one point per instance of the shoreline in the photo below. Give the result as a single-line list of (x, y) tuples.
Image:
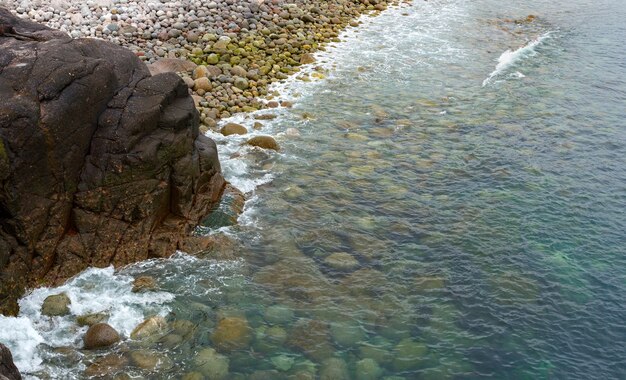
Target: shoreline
[(230, 53)]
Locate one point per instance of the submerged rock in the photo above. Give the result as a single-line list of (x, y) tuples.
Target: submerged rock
[(341, 261), (151, 326), (409, 355), (334, 369), (278, 314), (312, 338), (106, 366), (150, 360), (368, 369), (56, 305), (211, 364), (232, 333), (126, 175), (100, 335)]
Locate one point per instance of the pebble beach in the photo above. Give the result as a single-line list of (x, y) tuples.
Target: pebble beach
[(227, 51)]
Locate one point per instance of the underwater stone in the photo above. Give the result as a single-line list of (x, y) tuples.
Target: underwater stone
[(232, 333)]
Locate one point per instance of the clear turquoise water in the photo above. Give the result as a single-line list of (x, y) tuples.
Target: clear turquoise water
[(488, 223)]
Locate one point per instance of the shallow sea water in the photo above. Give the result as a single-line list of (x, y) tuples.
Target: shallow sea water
[(453, 205)]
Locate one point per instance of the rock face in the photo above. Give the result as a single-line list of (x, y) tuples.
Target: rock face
[(8, 370), (100, 162)]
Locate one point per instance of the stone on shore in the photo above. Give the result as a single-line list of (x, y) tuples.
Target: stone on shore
[(56, 305), (100, 335)]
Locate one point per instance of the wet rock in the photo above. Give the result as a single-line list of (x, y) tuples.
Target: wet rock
[(144, 284), (100, 335), (368, 369), (232, 333), (8, 370), (334, 369), (150, 327), (211, 364), (91, 319), (265, 142), (341, 261), (233, 129), (278, 314), (56, 305)]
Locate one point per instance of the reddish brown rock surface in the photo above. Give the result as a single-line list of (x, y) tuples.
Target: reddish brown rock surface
[(100, 162)]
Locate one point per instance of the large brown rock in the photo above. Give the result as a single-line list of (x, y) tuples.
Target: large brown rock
[(8, 370), (100, 162), (100, 335)]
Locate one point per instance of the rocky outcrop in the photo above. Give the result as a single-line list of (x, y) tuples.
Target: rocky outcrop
[(100, 162), (8, 370)]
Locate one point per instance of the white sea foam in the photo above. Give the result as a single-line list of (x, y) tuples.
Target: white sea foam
[(509, 58), (94, 290), (22, 339)]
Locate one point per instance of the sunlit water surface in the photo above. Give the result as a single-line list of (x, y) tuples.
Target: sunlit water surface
[(451, 206)]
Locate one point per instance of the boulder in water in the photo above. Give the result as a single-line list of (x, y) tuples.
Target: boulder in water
[(265, 142), (100, 335), (233, 129), (56, 305)]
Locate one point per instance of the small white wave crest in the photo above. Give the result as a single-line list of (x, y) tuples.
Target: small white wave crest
[(510, 57)]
